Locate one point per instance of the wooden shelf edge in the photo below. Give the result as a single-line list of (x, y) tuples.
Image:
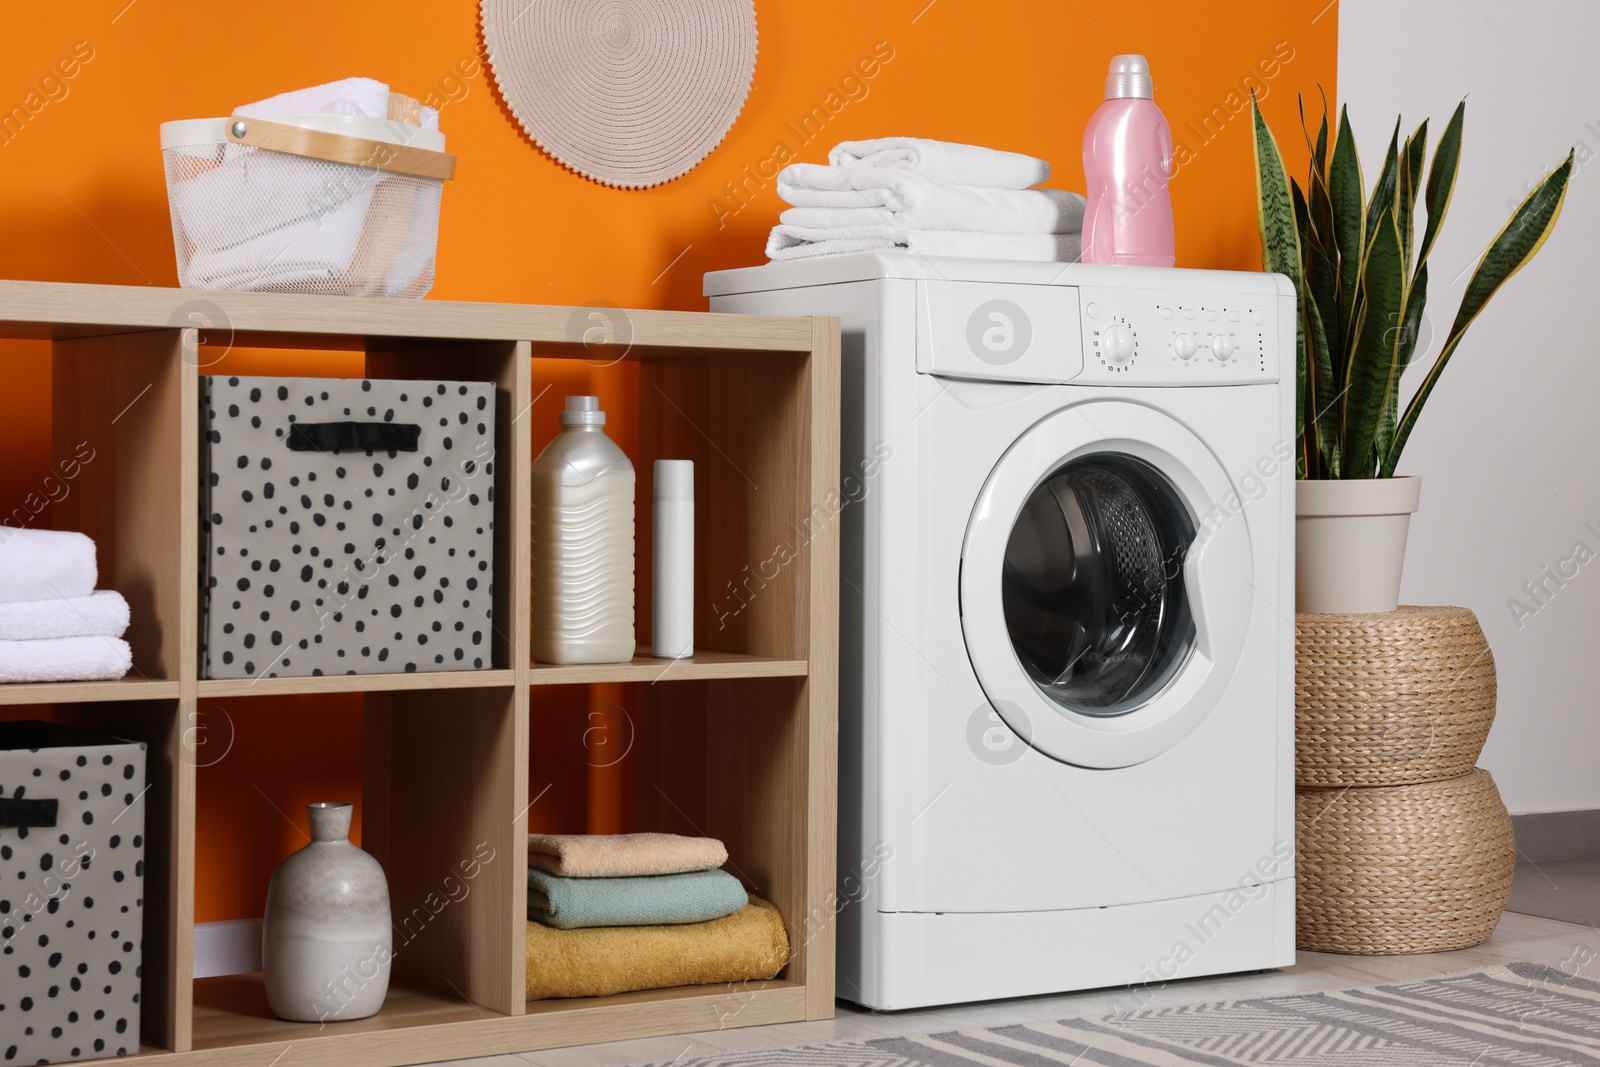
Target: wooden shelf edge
[(70, 309), (647, 668), (86, 692), (407, 1039), (355, 683)]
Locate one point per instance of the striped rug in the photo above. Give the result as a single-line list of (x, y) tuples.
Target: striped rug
[(1521, 1015)]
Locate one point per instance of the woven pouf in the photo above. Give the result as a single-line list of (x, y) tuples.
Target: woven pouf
[(1400, 869), (1391, 698)]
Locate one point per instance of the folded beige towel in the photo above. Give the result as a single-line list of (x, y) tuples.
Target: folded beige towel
[(623, 855), (601, 960)]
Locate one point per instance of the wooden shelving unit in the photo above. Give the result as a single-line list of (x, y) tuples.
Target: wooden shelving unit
[(737, 742)]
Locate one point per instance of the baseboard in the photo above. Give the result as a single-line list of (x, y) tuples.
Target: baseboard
[(231, 947), (1557, 835)]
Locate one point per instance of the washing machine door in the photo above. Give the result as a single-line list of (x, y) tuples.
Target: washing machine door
[(1104, 595)]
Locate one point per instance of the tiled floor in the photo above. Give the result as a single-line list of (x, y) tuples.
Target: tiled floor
[(1518, 937), (1559, 889)]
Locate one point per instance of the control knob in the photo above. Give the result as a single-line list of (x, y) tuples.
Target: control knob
[(1117, 343)]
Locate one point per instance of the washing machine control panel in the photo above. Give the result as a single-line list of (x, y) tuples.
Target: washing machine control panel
[(1149, 337), (1090, 335)]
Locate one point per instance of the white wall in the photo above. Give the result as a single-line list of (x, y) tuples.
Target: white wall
[(1508, 445)]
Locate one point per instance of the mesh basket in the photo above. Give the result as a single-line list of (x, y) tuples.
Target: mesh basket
[(330, 204)]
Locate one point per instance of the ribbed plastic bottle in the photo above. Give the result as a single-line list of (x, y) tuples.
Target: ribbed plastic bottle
[(583, 488), (1127, 163)]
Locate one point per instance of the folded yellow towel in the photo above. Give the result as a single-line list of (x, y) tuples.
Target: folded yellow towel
[(600, 960), (623, 855)]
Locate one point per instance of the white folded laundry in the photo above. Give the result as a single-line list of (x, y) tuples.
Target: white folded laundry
[(259, 192), (103, 614), (65, 659), (313, 249), (45, 565), (834, 217), (1037, 247), (914, 202), (792, 242), (348, 96), (944, 161)]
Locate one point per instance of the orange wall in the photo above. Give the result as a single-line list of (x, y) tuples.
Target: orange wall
[(82, 199)]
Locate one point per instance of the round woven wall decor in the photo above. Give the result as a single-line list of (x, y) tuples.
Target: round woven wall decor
[(630, 93), (1390, 698)]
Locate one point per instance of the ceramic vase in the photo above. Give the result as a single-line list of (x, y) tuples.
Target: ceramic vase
[(326, 940), (1350, 542)]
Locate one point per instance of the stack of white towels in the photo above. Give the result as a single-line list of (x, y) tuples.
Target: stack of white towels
[(932, 198), (54, 625)]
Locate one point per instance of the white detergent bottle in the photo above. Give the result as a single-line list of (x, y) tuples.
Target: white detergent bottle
[(583, 490)]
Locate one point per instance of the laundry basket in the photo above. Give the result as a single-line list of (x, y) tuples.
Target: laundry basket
[(337, 204)]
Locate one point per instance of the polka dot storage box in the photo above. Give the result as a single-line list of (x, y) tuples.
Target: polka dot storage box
[(72, 817), (348, 526)]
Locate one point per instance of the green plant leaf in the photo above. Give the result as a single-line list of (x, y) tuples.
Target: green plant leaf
[(1442, 179), (1524, 234), (1280, 237), (1416, 151), (1383, 194), (1410, 180), (1322, 404), (1372, 371), (1318, 204), (1410, 330), (1348, 196)]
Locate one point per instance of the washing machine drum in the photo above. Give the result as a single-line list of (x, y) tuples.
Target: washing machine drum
[(1092, 584)]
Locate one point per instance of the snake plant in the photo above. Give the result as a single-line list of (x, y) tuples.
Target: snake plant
[(1361, 270)]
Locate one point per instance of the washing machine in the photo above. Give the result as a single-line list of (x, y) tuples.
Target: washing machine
[(1066, 621)]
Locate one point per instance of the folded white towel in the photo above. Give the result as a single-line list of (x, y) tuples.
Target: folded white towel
[(1038, 247), (349, 96), (910, 201), (103, 614), (64, 659), (259, 192), (45, 565), (944, 161), (794, 242), (313, 249)]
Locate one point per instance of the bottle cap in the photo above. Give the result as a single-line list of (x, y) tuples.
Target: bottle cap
[(674, 479), (1129, 79), (583, 411)]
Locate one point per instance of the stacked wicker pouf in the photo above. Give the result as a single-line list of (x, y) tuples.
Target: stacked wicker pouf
[(1403, 843)]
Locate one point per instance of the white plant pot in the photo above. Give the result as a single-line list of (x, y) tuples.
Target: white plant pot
[(1350, 542)]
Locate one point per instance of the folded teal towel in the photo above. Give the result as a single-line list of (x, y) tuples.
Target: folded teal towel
[(649, 900)]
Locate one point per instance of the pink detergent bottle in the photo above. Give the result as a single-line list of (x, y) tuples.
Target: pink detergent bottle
[(1127, 162)]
